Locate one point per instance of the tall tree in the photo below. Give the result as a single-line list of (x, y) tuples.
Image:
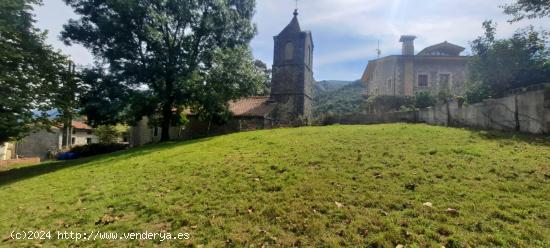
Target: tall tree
[(499, 65), (30, 71), (165, 50), (530, 9)]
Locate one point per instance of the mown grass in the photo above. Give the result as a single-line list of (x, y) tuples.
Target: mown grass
[(353, 186)]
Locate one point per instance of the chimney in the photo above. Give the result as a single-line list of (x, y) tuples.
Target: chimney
[(408, 44)]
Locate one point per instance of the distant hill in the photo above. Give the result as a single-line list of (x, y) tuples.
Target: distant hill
[(331, 85), (345, 99)]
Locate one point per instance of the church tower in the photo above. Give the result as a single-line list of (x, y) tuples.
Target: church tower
[(292, 80)]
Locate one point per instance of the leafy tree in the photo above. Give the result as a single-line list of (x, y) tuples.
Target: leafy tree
[(108, 134), (30, 71), (265, 88), (501, 65), (166, 52), (232, 75), (104, 97), (528, 9)]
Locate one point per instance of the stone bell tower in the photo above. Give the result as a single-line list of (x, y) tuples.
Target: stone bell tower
[(292, 80)]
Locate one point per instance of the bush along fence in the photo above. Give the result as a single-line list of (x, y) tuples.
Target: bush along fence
[(526, 111)]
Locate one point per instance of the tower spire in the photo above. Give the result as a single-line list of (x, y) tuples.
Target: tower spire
[(296, 9)]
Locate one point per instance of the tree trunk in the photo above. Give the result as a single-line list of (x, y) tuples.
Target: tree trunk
[(516, 114), (449, 120), (167, 109), (165, 124)]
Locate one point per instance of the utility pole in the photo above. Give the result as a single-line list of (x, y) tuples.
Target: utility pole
[(378, 51), (68, 103)]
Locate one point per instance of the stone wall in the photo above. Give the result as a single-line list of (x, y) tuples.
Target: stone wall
[(37, 144), (142, 134), (527, 112), (5, 164)]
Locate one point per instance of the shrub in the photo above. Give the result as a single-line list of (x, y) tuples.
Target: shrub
[(424, 99), (96, 149), (460, 100), (385, 104), (477, 93)]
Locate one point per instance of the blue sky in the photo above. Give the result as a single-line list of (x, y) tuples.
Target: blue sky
[(345, 32)]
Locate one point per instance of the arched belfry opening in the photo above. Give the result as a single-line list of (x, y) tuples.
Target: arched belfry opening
[(289, 51)]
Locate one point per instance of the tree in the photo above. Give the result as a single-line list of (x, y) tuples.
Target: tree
[(232, 75), (108, 134), (501, 65), (528, 9), (66, 99), (30, 71), (164, 51), (265, 90)]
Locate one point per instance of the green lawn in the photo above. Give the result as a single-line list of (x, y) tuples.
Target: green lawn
[(334, 186)]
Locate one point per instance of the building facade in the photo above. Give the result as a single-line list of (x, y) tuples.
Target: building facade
[(248, 114), (438, 68), (42, 143), (7, 151)]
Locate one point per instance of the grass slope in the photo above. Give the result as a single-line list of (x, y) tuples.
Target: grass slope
[(351, 186)]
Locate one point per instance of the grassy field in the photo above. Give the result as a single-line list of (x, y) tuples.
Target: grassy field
[(353, 186)]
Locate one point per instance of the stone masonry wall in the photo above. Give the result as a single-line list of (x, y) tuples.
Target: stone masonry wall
[(527, 112)]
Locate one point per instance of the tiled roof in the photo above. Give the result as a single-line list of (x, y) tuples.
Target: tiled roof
[(80, 125), (258, 106), (453, 49)]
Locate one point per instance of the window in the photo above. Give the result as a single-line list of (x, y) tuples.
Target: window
[(289, 51), (422, 80), (88, 141), (445, 81), (389, 84), (74, 131), (73, 140), (156, 131)]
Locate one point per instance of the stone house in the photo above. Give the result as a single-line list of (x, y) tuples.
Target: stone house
[(7, 151), (248, 114), (289, 103), (42, 142), (435, 69), (81, 134)]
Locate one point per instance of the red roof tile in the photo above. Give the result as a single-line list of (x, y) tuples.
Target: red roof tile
[(80, 125), (258, 106)]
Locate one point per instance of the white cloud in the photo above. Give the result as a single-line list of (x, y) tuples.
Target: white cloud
[(347, 30), (432, 21)]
